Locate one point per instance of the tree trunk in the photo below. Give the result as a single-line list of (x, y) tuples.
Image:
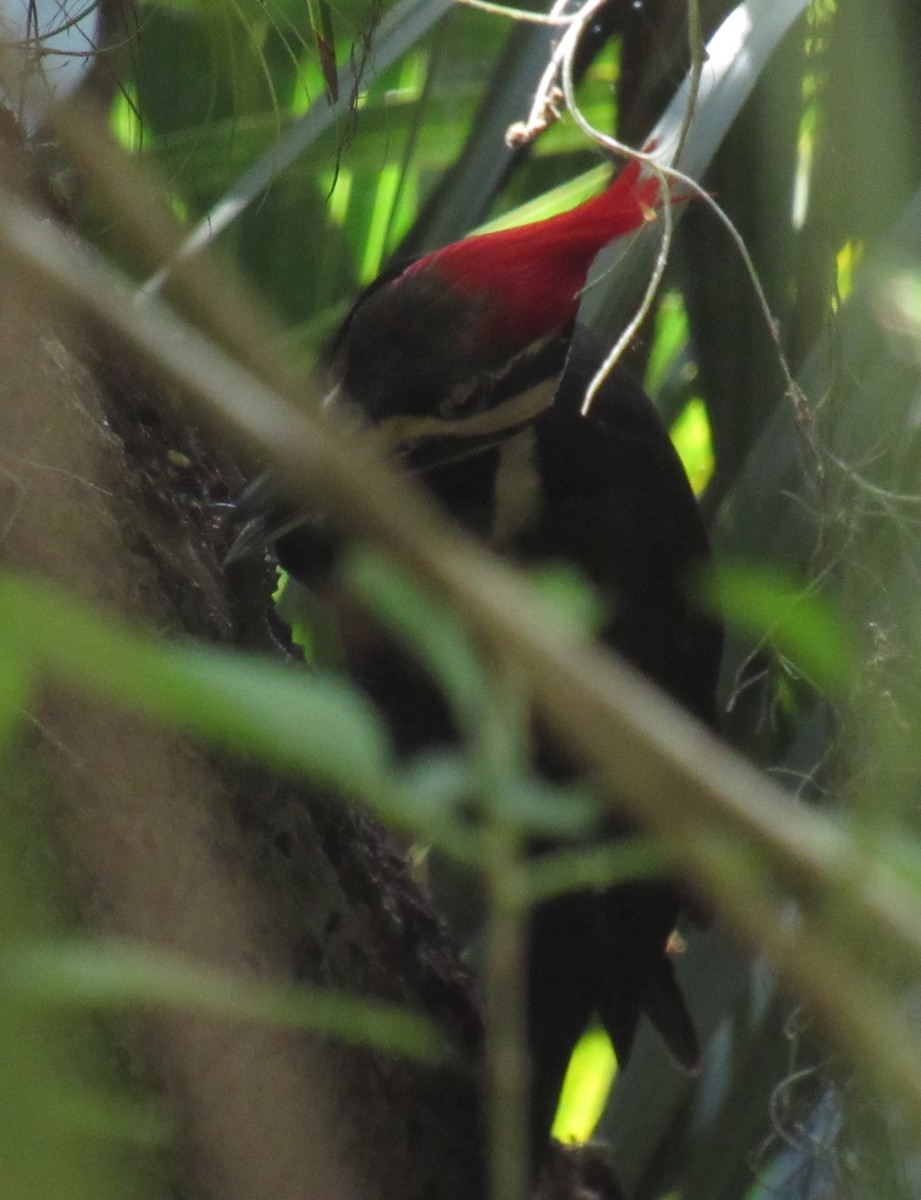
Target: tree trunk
[(108, 491)]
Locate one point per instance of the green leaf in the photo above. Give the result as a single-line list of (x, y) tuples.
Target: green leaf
[(100, 1114), (669, 340), (593, 866), (692, 439), (297, 720), (426, 626), (586, 1088), (571, 599), (107, 975), (800, 624), (15, 684), (400, 29), (565, 196), (442, 782), (544, 809)]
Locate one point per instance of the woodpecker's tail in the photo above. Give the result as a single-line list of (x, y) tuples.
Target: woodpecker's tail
[(603, 954)]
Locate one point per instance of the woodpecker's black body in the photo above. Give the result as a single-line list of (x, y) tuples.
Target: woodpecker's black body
[(613, 500), (604, 492)]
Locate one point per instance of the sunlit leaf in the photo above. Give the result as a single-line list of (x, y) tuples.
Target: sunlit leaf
[(669, 339), (585, 1090), (565, 196), (402, 26), (691, 435)]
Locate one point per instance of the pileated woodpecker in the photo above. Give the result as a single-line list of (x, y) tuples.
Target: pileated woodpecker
[(471, 364)]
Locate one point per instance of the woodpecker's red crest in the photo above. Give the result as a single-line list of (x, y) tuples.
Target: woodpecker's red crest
[(531, 275), (429, 338)]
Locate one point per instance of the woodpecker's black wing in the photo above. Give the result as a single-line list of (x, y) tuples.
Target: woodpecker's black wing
[(615, 502)]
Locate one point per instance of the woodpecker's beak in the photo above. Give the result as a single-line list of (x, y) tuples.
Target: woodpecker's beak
[(258, 530)]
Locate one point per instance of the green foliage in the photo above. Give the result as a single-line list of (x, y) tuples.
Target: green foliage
[(65, 1121), (106, 975), (805, 628), (297, 722), (569, 599), (691, 435), (586, 1087), (823, 483), (311, 724), (432, 632)]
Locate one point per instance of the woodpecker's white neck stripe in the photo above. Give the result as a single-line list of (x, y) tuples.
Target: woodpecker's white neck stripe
[(518, 409), (517, 496)]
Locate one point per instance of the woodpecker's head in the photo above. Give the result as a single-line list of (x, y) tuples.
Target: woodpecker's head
[(440, 338), (462, 349)]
